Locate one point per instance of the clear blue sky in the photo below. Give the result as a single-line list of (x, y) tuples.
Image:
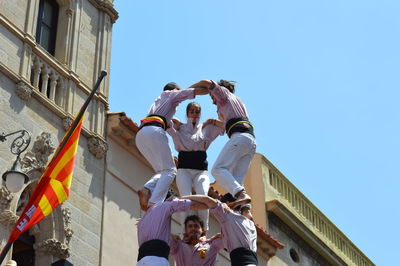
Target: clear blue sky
[(320, 80)]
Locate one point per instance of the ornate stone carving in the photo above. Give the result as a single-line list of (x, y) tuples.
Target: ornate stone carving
[(54, 247), (66, 122), (5, 198), (69, 12), (7, 217), (97, 147), (23, 90), (67, 224), (37, 158)]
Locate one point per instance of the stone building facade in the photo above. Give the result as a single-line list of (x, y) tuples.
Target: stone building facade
[(310, 238), (51, 52)]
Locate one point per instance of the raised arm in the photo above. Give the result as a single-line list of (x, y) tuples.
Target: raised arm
[(205, 200), (202, 84), (195, 205), (200, 91), (214, 122)]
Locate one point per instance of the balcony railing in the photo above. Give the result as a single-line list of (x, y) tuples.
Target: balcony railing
[(48, 81), (314, 219)]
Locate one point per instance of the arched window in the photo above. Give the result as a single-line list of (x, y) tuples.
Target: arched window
[(46, 30), (23, 252)]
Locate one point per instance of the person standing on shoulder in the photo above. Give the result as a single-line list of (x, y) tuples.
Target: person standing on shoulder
[(191, 140), (152, 142), (232, 164)]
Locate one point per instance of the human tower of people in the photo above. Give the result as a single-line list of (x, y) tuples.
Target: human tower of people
[(233, 211)]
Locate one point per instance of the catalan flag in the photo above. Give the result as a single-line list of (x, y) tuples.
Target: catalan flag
[(54, 185)]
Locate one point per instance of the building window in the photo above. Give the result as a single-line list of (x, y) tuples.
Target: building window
[(47, 25)]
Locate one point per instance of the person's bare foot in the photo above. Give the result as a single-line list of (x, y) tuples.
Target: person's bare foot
[(241, 198), (144, 196)]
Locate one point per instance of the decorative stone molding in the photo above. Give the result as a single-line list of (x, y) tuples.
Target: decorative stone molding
[(23, 90), (37, 158), (69, 12), (53, 247), (97, 147), (67, 224), (7, 218), (66, 122), (107, 7), (5, 198)]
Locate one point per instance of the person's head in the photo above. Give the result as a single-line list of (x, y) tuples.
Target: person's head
[(194, 227), (171, 86), (230, 85), (193, 110), (245, 210)]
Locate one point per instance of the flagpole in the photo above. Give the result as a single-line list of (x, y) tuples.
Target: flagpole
[(5, 251), (65, 140), (81, 112)]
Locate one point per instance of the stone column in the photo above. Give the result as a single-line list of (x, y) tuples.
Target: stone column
[(31, 18), (65, 24), (26, 64)]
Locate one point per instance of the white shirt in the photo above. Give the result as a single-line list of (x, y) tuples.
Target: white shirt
[(194, 138), (165, 105), (238, 230)]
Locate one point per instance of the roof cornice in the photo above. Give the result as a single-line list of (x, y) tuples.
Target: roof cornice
[(106, 6)]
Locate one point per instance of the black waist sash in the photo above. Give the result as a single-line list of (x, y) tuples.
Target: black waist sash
[(147, 121), (153, 247), (243, 256), (239, 124), (193, 160)]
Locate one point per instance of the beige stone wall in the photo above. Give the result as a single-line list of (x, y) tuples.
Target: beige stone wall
[(86, 196), (125, 175), (83, 48), (306, 254), (89, 27), (25, 60), (10, 49), (15, 11)]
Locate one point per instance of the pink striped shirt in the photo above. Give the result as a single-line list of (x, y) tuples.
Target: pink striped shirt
[(165, 104), (228, 104), (156, 223), (238, 231)]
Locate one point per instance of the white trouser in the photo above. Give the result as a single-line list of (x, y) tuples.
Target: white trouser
[(199, 180), (232, 163), (153, 261), (152, 142)]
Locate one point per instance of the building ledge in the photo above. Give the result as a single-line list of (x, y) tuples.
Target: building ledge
[(288, 203)]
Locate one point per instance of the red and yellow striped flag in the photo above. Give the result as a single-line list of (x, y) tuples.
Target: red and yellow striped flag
[(54, 185)]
